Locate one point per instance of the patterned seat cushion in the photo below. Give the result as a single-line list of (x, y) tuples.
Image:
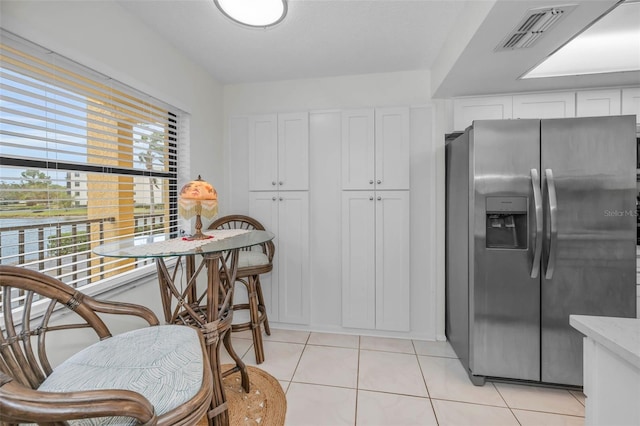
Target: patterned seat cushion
[(163, 363), (252, 258)]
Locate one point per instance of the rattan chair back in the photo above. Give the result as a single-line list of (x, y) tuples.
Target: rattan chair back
[(30, 315), (249, 275)]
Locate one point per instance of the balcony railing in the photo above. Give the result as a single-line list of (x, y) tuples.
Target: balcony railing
[(63, 249)]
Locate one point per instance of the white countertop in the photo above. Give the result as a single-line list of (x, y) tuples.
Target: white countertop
[(619, 335)]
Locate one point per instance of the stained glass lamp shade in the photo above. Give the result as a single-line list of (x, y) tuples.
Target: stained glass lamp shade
[(197, 198)]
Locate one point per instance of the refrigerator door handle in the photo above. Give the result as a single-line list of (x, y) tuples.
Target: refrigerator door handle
[(537, 200), (553, 225)]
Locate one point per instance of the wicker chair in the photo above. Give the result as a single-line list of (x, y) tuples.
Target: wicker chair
[(152, 375), (252, 261)]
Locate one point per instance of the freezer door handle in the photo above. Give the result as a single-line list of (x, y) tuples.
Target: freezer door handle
[(537, 201), (553, 224)]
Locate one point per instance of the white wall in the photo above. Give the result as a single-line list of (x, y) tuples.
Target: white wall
[(399, 88), (104, 37)]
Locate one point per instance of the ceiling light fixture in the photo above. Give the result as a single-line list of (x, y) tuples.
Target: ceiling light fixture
[(254, 13), (610, 44)]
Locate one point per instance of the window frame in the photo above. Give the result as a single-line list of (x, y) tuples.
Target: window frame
[(175, 122)]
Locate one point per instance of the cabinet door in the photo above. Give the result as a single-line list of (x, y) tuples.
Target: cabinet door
[(392, 261), (358, 149), (358, 259), (263, 152), (263, 206), (631, 102), (392, 148), (293, 151), (293, 258), (545, 105), (596, 103), (490, 108)]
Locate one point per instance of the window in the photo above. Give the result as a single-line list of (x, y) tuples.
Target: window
[(84, 160)]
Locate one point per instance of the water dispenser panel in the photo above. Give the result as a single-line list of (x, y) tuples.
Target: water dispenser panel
[(506, 222)]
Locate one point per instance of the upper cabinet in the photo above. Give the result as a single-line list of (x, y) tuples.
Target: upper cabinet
[(358, 156), (631, 102), (375, 149), (594, 103), (466, 110), (545, 105), (582, 103), (279, 152), (392, 148)]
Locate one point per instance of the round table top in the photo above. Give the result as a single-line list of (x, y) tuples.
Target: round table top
[(162, 245)]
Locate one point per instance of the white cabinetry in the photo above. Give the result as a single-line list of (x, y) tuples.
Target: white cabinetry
[(375, 260), (279, 152), (375, 149), (594, 103), (545, 105), (269, 180), (631, 102), (465, 110), (583, 103), (611, 369), (375, 219), (286, 214)]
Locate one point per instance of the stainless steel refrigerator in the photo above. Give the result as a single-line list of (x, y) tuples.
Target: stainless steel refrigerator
[(540, 224)]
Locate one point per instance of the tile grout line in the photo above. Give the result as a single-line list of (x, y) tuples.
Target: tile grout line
[(355, 419), (424, 380), (300, 358), (506, 403)]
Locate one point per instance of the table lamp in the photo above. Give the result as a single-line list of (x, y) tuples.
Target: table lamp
[(198, 197)]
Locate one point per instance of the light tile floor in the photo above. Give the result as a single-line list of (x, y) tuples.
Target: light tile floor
[(333, 379)]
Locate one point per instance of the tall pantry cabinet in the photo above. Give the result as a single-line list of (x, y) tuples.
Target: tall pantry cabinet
[(375, 219), (333, 185), (278, 171)]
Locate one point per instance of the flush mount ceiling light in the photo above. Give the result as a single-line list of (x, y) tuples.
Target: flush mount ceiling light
[(254, 13)]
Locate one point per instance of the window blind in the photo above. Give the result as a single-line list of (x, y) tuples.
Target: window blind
[(84, 160)]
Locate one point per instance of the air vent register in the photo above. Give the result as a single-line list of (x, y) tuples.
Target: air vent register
[(535, 24)]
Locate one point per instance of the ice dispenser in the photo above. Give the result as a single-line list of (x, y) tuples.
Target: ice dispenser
[(507, 222)]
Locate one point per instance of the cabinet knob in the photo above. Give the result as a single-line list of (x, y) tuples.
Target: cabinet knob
[(370, 198), (280, 198), (273, 183), (273, 198), (371, 182), (281, 183), (379, 198), (379, 181)]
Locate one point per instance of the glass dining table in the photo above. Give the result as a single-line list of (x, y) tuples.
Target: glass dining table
[(190, 301)]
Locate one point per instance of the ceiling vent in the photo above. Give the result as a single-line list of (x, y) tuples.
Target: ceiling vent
[(535, 24)]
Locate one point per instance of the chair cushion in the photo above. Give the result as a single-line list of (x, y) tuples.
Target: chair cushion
[(163, 363), (252, 258)]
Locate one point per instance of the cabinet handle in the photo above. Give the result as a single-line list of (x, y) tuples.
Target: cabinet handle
[(379, 182), (371, 182), (273, 182), (379, 198)]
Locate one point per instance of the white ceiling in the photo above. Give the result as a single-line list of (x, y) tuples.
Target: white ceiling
[(323, 38)]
